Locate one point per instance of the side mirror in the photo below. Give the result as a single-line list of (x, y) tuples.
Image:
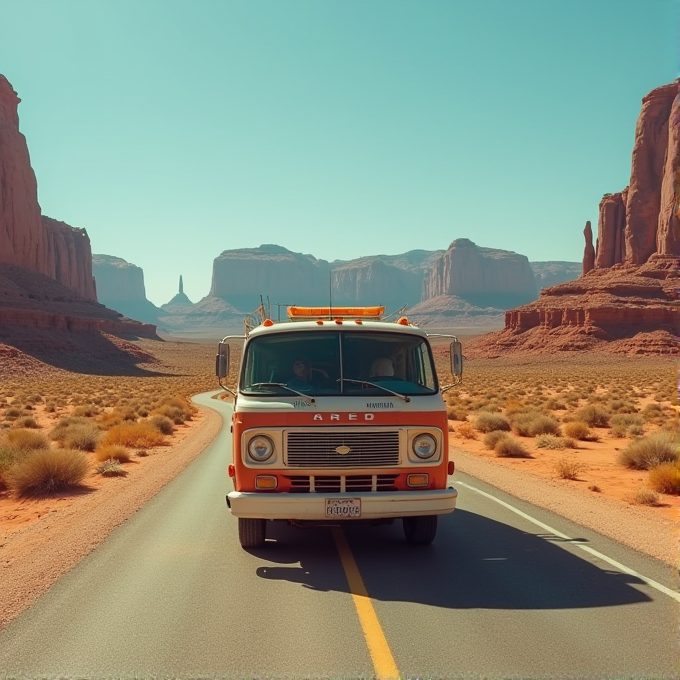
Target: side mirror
[(222, 360), (456, 359)]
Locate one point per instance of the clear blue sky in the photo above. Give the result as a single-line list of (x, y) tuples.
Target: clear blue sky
[(173, 130)]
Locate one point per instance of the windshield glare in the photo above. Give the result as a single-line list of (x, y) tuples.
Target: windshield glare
[(322, 364)]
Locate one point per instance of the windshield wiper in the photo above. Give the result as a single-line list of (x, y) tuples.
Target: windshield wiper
[(364, 383), (307, 398)]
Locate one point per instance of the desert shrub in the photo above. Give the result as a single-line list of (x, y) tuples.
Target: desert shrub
[(172, 412), (550, 441), (532, 423), (665, 478), (163, 424), (577, 429), (12, 413), (113, 451), (509, 447), (87, 411), (57, 432), (28, 422), (47, 470), (636, 430), (644, 497), (648, 452), (593, 415), (456, 412), (488, 422), (626, 420), (26, 440), (653, 413), (618, 431), (80, 436), (8, 456), (556, 404), (111, 468), (50, 408), (466, 431), (108, 420), (569, 468), (133, 435), (490, 438)]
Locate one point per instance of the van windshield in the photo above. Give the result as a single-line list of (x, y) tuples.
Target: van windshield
[(338, 364)]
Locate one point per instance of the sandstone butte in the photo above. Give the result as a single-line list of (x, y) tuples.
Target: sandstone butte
[(46, 277), (627, 298)]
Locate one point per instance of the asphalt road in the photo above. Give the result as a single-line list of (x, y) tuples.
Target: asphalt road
[(172, 594)]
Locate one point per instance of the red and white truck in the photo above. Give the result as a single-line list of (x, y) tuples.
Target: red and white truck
[(338, 415)]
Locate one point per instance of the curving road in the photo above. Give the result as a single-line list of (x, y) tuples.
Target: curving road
[(171, 594)]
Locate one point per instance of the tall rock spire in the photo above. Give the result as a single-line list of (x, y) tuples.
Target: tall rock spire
[(181, 285)]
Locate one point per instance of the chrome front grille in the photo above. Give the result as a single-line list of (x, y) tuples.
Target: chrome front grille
[(342, 449), (341, 483)]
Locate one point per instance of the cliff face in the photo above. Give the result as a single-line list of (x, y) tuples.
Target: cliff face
[(22, 235), (241, 276), (482, 276), (638, 222), (356, 282), (69, 257), (120, 286), (28, 239)]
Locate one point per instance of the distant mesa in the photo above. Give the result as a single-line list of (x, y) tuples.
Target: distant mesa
[(120, 286), (625, 301)]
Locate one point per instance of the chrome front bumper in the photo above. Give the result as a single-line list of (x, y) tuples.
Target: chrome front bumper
[(312, 506)]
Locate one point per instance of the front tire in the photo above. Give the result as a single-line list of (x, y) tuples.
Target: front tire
[(420, 530), (251, 532)]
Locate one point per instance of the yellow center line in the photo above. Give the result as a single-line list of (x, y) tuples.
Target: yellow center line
[(383, 661)]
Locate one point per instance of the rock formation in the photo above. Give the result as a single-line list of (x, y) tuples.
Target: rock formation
[(241, 276), (485, 277), (359, 281), (22, 235), (179, 301), (27, 239), (120, 286), (627, 302), (588, 251), (646, 177), (69, 257)]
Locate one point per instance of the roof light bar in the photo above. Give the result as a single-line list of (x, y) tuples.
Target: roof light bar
[(312, 313)]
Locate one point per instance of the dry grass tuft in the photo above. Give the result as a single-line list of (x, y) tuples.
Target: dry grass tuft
[(594, 415), (26, 440), (532, 423), (665, 478), (133, 435), (488, 422), (466, 431), (163, 424), (111, 468), (113, 451), (491, 438), (648, 452), (509, 447), (550, 441), (569, 468), (644, 497), (45, 471)]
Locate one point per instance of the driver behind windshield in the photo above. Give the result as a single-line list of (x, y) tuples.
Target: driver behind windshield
[(382, 368), (302, 375)]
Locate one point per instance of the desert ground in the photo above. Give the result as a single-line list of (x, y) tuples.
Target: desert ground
[(566, 421)]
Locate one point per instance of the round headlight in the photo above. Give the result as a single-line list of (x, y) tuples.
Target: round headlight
[(260, 448), (424, 446)]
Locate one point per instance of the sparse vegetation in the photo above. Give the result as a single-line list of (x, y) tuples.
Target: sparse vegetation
[(45, 471), (510, 447), (488, 422), (648, 452), (133, 435), (569, 468)]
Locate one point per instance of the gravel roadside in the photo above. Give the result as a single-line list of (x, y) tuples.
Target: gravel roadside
[(653, 536)]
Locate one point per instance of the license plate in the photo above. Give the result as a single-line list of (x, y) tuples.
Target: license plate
[(340, 508)]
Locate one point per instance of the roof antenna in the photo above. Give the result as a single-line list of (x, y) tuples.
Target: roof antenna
[(330, 295)]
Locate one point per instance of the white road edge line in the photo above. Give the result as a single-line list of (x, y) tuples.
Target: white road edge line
[(621, 567)]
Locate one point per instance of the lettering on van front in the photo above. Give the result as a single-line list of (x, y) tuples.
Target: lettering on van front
[(379, 404), (345, 416)]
